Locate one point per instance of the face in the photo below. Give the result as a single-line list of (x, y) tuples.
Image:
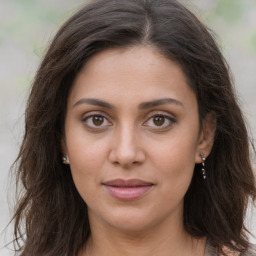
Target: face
[(132, 138)]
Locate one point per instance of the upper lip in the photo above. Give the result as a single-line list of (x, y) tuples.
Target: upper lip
[(127, 183)]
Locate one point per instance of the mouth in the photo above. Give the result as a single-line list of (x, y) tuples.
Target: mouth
[(127, 189)]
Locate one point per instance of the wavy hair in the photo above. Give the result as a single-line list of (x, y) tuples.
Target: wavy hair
[(51, 217)]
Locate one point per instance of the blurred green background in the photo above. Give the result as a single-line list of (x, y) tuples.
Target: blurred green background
[(26, 28)]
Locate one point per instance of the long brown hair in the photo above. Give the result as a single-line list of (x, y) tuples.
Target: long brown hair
[(51, 217)]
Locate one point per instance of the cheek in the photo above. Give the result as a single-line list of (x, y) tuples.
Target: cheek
[(87, 160), (85, 151), (175, 180), (174, 160), (86, 175), (177, 167), (177, 150)]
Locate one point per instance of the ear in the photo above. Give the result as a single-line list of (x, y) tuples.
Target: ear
[(206, 136), (63, 146), (64, 151)]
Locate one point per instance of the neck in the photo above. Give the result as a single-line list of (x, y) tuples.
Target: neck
[(157, 241)]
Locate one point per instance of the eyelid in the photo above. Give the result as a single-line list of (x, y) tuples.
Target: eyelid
[(164, 114), (160, 113), (95, 113)]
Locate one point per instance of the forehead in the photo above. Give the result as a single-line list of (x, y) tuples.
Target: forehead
[(139, 73)]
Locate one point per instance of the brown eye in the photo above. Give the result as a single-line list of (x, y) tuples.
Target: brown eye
[(98, 120), (159, 120)]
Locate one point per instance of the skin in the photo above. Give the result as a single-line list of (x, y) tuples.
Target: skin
[(159, 144)]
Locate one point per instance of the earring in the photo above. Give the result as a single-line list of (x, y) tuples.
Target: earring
[(203, 165), (65, 159)]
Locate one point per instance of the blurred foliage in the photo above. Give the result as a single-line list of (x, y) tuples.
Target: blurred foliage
[(29, 25), (234, 21), (232, 10), (254, 40), (28, 21)]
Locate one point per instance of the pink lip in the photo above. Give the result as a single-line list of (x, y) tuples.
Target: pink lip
[(127, 189)]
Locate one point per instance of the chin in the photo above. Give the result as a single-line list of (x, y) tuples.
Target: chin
[(132, 222)]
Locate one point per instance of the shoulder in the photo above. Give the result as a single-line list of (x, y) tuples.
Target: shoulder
[(251, 251), (211, 251)]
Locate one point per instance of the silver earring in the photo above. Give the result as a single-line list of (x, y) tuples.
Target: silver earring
[(65, 159), (203, 166)]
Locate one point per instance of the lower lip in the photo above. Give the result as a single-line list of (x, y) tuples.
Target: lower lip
[(128, 193)]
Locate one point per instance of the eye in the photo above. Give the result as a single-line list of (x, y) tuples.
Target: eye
[(96, 121), (160, 121)]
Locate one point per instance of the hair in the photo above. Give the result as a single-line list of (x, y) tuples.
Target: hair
[(51, 217)]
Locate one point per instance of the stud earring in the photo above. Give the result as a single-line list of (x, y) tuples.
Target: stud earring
[(203, 166), (65, 159)]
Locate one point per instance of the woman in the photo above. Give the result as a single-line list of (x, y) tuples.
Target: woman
[(134, 142)]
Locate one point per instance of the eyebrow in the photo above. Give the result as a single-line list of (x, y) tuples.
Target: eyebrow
[(143, 105), (155, 103), (95, 102)]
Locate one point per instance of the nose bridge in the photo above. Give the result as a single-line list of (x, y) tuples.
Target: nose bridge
[(127, 135), (126, 149)]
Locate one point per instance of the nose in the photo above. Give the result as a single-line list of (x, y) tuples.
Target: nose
[(126, 150)]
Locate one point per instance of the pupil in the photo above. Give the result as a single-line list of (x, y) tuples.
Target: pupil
[(98, 120), (158, 120)]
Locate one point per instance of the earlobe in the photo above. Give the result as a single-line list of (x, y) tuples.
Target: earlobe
[(206, 137), (65, 158)]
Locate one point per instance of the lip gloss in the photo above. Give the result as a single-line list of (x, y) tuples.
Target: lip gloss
[(128, 193), (127, 189)]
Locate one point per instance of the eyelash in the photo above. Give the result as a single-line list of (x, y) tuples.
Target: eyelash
[(167, 118), (93, 115)]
